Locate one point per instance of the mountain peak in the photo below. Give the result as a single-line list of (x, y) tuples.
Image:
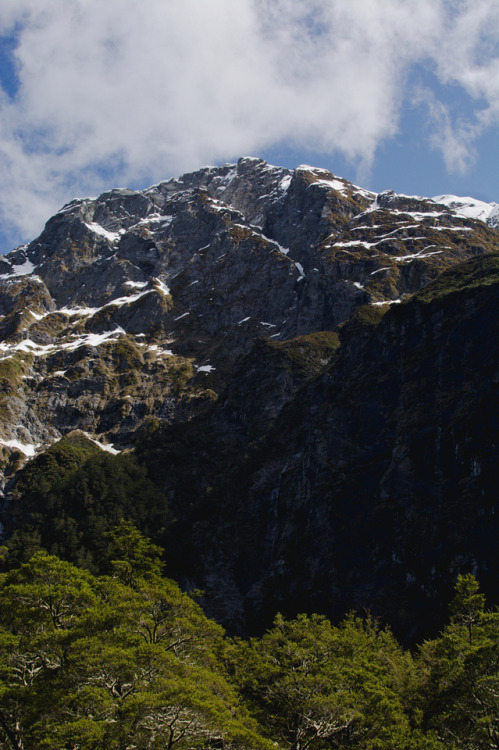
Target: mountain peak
[(188, 273)]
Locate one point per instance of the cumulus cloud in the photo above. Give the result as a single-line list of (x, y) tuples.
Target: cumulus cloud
[(121, 92)]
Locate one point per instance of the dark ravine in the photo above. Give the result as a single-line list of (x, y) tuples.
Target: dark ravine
[(309, 371)]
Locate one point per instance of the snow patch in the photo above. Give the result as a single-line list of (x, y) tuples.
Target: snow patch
[(471, 208), (98, 229), (136, 284), (161, 286), (108, 447), (40, 350), (24, 269), (29, 449), (337, 185), (285, 183), (300, 270)]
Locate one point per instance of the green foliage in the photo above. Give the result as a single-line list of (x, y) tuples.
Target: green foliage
[(309, 353), (368, 315), (480, 271), (128, 661), (312, 685), (67, 498), (130, 555), (459, 673), (468, 604), (91, 663)]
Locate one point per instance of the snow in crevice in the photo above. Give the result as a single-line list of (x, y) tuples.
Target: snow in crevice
[(163, 219), (161, 286), (283, 250), (300, 270), (156, 348), (98, 229), (284, 184), (387, 302), (23, 269), (117, 302), (41, 350), (337, 185), (108, 447), (417, 256)]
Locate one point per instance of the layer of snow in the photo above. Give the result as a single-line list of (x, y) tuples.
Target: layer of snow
[(471, 208), (283, 250), (337, 185), (244, 320), (158, 284), (205, 368), (70, 311), (28, 449), (40, 350), (285, 183), (136, 284), (421, 254), (300, 269), (165, 219), (98, 229), (24, 269), (38, 316), (182, 316), (120, 301), (156, 348), (108, 447)]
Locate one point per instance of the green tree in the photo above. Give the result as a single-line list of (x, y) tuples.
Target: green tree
[(88, 662), (311, 685), (459, 673), (468, 604), (67, 499), (130, 555)]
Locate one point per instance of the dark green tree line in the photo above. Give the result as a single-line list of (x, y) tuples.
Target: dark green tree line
[(126, 661)]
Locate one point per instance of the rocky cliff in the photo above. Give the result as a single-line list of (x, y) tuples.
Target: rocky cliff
[(313, 366)]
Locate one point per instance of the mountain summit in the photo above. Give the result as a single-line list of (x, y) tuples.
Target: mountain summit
[(125, 304), (316, 364)]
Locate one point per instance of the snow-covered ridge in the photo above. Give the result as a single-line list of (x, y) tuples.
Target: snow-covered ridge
[(471, 208)]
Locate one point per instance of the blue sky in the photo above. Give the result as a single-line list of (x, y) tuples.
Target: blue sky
[(390, 94)]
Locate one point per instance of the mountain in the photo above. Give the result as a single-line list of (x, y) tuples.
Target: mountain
[(307, 369)]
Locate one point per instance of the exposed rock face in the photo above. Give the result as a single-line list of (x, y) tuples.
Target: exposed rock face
[(139, 303), (330, 435), (375, 485)]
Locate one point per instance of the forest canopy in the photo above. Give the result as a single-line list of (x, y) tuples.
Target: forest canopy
[(127, 660)]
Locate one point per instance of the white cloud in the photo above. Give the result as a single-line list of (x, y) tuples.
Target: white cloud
[(120, 92)]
